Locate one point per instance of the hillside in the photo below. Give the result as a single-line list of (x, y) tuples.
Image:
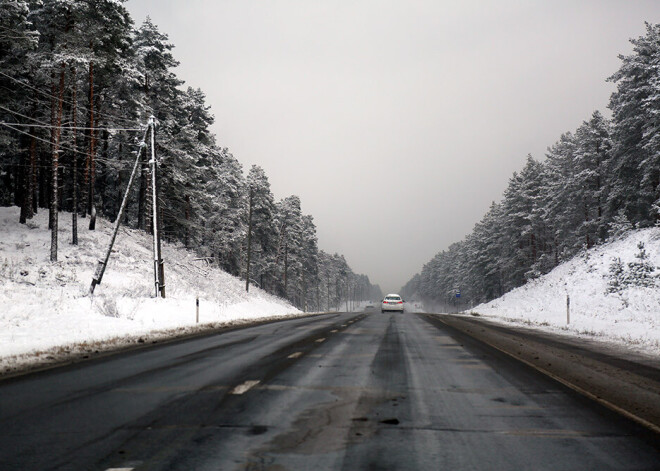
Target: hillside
[(630, 316), (47, 312)]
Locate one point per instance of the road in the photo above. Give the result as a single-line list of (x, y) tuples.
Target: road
[(348, 391)]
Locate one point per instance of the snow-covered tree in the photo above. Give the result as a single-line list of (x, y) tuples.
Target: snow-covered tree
[(636, 130), (262, 226)]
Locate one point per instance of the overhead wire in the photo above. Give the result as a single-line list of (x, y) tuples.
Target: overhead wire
[(42, 124), (98, 113), (41, 139), (114, 162), (79, 128)]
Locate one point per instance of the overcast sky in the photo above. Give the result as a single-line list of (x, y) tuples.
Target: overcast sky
[(396, 122)]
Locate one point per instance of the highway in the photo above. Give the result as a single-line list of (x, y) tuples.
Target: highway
[(339, 391)]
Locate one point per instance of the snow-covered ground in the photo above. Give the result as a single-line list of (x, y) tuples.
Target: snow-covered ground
[(630, 317), (46, 310)]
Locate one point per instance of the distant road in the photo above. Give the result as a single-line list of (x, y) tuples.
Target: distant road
[(336, 391)]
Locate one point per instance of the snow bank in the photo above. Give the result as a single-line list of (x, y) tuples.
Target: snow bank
[(630, 317), (46, 305)]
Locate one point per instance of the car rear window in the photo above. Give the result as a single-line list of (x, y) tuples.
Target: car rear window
[(392, 298)]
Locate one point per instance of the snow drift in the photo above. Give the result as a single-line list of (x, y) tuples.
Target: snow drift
[(46, 306), (604, 302)]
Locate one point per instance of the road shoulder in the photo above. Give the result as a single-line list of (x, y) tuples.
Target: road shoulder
[(628, 384)]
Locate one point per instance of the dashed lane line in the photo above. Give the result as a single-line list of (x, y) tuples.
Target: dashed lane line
[(295, 355), (245, 387), (320, 340)]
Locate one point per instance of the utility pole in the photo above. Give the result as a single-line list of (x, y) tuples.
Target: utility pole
[(249, 243), (100, 269), (159, 271)]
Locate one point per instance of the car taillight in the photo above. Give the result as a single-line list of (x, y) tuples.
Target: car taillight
[(400, 302)]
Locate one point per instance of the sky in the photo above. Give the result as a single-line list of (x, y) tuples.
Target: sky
[(397, 123)]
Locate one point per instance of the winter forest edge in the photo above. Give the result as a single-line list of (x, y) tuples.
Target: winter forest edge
[(594, 185), (78, 84)]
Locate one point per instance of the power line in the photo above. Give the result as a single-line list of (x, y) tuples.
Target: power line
[(40, 139), (114, 162), (50, 126), (23, 116), (27, 85), (45, 125)]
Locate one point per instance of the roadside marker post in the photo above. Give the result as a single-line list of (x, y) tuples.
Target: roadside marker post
[(568, 309), (197, 306)]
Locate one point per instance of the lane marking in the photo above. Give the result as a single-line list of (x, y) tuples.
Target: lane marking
[(245, 387), (120, 469), (319, 340), (295, 355), (334, 330)]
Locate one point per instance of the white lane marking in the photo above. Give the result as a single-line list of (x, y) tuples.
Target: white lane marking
[(319, 340), (295, 355), (245, 387), (334, 330), (120, 469)]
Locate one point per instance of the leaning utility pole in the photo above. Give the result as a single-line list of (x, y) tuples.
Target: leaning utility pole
[(159, 270), (100, 269)]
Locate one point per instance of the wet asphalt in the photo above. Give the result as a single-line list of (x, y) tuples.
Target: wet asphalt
[(349, 391)]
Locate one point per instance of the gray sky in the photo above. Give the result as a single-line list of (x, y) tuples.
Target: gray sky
[(396, 122)]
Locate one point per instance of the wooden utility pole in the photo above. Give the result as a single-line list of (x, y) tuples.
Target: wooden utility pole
[(100, 269), (249, 242), (159, 270)]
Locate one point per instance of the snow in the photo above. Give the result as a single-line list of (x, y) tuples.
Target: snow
[(630, 317), (47, 310)]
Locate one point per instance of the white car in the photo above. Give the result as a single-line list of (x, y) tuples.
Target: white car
[(392, 302)]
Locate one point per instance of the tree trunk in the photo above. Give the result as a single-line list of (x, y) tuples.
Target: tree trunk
[(33, 176), (89, 161), (586, 224), (74, 190), (103, 172), (187, 236), (27, 180), (56, 150), (53, 133)]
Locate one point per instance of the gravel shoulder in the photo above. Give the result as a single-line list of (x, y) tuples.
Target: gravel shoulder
[(625, 381)]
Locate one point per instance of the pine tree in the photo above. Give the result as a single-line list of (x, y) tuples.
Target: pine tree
[(640, 272), (617, 279), (635, 109), (264, 230)]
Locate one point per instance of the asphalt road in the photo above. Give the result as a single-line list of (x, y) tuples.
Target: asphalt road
[(337, 391)]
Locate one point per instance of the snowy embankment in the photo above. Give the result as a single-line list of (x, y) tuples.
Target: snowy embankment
[(47, 312), (628, 316)]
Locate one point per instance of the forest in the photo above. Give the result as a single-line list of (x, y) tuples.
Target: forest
[(79, 82), (594, 184)]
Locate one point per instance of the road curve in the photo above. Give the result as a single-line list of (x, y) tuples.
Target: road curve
[(335, 391)]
